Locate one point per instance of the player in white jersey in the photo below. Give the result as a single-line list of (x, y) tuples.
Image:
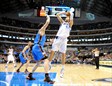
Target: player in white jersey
[(60, 41), (10, 57)]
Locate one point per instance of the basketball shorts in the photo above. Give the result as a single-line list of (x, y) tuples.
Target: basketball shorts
[(10, 58), (59, 44), (22, 59), (37, 52)]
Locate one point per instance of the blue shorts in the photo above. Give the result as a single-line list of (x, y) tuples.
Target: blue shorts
[(37, 52), (22, 59)]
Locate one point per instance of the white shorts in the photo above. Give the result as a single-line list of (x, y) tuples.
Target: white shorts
[(59, 44), (10, 58)]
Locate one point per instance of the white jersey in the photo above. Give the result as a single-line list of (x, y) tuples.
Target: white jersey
[(10, 52), (64, 30), (10, 56), (96, 53)]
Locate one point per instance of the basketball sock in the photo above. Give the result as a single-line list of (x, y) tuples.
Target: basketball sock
[(14, 64), (50, 66), (62, 71), (50, 63), (7, 64), (63, 66)]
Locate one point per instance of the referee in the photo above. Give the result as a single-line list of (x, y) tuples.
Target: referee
[(96, 54)]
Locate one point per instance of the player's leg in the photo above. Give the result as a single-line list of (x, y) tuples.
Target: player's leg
[(8, 60), (22, 60), (38, 57), (46, 68), (55, 47), (30, 76), (62, 49), (51, 55), (50, 58), (7, 63), (36, 54), (27, 64), (14, 62), (18, 70), (63, 64)]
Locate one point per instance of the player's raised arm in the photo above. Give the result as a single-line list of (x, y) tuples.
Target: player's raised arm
[(71, 16), (43, 28), (59, 17)]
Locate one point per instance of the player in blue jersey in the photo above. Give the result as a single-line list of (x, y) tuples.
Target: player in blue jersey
[(25, 57), (39, 54)]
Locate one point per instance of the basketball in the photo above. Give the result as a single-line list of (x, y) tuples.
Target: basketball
[(67, 13)]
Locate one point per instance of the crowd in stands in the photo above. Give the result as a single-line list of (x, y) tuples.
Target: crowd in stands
[(72, 56), (17, 23), (80, 56), (94, 31), (92, 26), (26, 24), (106, 57)]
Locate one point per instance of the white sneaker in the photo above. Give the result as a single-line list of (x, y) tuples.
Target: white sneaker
[(62, 73)]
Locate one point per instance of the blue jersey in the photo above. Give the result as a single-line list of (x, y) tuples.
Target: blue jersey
[(40, 40)]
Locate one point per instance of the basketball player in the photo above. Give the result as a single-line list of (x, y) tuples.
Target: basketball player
[(39, 54), (60, 41), (24, 56), (96, 54), (10, 57)]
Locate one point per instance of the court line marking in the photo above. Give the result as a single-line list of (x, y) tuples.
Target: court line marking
[(5, 83)]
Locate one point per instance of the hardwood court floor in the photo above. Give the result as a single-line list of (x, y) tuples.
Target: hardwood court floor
[(75, 74)]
